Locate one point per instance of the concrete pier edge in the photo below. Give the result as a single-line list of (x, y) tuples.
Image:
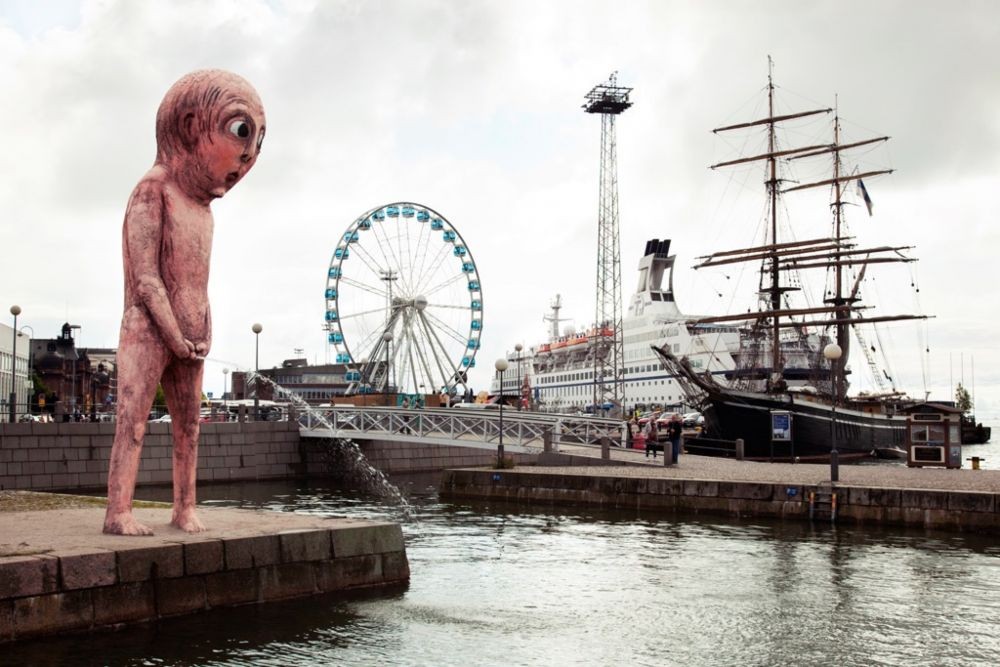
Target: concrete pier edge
[(59, 574), (927, 508)]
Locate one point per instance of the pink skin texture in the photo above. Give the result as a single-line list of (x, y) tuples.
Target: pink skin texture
[(209, 131)]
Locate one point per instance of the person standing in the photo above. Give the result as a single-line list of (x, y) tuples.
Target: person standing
[(674, 434), (652, 436)]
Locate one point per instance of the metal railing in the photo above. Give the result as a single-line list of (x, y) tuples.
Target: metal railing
[(453, 426)]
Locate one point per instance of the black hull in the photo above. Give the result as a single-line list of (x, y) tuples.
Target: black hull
[(730, 415)]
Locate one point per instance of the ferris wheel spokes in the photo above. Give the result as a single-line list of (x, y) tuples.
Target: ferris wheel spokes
[(440, 286), (365, 286), (432, 337), (429, 272), (393, 265), (369, 260), (457, 335)]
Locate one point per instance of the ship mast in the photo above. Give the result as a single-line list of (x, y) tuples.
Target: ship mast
[(772, 185), (834, 253), (843, 337), (773, 254)]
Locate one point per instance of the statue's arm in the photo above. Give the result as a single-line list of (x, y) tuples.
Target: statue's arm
[(143, 236), (202, 347)]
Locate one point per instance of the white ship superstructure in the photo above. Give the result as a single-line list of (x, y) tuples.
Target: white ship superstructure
[(559, 375)]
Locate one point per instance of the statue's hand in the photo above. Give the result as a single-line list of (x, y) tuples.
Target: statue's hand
[(201, 349), (184, 349)]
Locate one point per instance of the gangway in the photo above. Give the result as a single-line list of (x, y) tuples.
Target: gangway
[(522, 431)]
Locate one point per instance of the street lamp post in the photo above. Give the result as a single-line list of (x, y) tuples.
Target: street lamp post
[(832, 352), (27, 407), (256, 328), (501, 366), (520, 378), (387, 339), (76, 359), (15, 310), (225, 390)]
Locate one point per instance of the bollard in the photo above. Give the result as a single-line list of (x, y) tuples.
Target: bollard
[(293, 413), (739, 449), (243, 414), (606, 448), (547, 440), (668, 454), (975, 461)]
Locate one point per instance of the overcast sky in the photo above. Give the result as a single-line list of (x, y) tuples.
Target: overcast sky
[(473, 108)]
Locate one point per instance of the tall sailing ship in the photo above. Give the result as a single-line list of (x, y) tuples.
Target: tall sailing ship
[(817, 405)]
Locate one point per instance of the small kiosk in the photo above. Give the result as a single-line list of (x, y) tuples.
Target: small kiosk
[(781, 431), (933, 435)]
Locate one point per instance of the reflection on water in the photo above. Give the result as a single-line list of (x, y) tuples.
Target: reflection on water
[(500, 584)]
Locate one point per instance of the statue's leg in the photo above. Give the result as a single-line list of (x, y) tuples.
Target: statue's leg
[(139, 367), (182, 387)]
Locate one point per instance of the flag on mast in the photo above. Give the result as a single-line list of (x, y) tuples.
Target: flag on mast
[(863, 192)]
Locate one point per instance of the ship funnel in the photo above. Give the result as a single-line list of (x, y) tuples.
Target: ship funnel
[(663, 248), (651, 247)]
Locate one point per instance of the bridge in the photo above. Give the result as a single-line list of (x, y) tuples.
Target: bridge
[(523, 432)]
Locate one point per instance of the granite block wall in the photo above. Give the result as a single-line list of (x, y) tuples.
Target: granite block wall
[(43, 457)]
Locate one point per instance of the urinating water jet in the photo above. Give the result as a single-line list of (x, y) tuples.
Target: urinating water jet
[(373, 478)]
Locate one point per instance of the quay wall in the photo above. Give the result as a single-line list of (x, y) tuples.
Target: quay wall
[(937, 509), (74, 456), (83, 581), (71, 455), (393, 457)]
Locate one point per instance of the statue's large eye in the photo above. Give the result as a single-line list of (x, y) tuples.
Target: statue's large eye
[(240, 128)]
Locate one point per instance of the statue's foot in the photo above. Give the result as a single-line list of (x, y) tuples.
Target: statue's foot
[(125, 524), (187, 521)]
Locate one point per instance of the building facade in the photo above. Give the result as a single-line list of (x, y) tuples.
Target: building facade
[(15, 371), (75, 382), (316, 385)]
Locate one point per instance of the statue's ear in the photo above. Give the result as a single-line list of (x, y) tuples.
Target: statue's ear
[(189, 131)]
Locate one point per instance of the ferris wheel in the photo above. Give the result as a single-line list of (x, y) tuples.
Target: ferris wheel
[(404, 304)]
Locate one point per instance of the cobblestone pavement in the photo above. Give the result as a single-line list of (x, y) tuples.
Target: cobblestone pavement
[(885, 474)]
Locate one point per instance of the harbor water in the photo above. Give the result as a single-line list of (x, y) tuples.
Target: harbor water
[(513, 585)]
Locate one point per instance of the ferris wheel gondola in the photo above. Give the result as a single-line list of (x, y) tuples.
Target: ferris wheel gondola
[(404, 303)]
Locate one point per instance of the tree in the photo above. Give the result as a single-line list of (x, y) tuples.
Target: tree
[(963, 401), (160, 400)]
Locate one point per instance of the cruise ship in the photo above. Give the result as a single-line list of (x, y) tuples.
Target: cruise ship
[(558, 375)]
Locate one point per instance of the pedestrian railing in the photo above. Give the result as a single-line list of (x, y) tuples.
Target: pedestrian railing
[(458, 427)]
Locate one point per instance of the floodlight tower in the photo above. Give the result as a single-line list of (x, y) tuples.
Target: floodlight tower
[(609, 100)]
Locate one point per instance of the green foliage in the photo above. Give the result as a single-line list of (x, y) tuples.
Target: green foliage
[(963, 400), (38, 386), (160, 400)]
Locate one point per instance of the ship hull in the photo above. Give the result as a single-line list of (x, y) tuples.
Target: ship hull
[(815, 427)]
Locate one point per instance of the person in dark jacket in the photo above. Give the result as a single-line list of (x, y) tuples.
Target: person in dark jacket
[(674, 435)]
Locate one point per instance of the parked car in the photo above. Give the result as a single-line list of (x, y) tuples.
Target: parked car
[(693, 420)]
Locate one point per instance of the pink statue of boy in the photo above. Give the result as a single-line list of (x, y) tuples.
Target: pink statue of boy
[(209, 131)]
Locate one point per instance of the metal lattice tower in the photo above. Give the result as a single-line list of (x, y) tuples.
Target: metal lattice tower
[(609, 100)]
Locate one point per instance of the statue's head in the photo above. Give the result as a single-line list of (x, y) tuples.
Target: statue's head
[(209, 128)]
